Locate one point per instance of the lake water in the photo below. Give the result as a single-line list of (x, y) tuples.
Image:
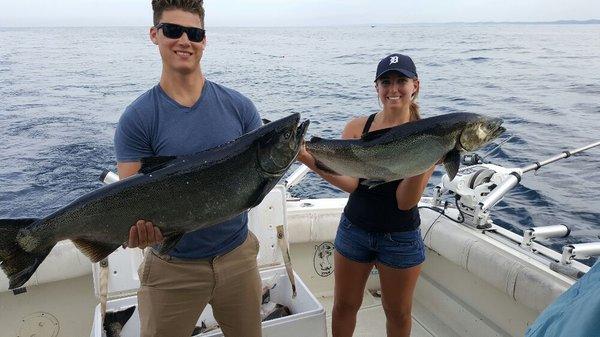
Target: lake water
[(62, 91)]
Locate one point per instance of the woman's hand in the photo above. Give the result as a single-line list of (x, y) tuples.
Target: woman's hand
[(304, 156), (144, 234)]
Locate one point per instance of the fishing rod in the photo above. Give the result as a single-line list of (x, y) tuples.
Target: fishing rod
[(515, 176), (500, 181), (565, 154)]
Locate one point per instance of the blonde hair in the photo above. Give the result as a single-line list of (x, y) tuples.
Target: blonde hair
[(415, 113)]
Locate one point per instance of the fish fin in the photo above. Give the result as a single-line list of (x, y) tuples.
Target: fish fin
[(370, 183), (170, 242), (452, 163), (151, 164), (321, 166), (9, 228), (265, 121), (21, 266), (114, 321), (18, 264), (315, 139), (374, 134), (94, 250)]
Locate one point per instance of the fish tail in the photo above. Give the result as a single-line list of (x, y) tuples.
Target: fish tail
[(17, 263)]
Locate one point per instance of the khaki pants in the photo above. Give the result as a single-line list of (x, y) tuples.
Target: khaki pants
[(174, 292)]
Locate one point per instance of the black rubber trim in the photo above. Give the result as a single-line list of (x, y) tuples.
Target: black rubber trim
[(568, 231), (103, 175)]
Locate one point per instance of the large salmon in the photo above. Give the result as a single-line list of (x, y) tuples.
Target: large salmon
[(178, 194), (406, 150)]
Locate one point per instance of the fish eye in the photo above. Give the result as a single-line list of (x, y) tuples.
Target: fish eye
[(287, 135)]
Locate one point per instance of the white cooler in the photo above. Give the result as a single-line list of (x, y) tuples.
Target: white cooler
[(308, 315)]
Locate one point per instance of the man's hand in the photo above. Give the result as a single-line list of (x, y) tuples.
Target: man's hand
[(144, 234)]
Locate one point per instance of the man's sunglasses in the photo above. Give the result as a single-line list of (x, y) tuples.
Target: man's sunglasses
[(173, 31)]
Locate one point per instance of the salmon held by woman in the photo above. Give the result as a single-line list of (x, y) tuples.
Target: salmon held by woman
[(406, 150)]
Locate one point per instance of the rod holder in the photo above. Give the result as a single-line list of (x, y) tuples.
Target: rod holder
[(294, 178), (109, 177), (545, 232), (579, 251), (498, 193)]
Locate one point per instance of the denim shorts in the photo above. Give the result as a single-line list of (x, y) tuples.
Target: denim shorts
[(393, 249)]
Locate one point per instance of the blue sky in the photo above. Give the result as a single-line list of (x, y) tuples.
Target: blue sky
[(297, 12)]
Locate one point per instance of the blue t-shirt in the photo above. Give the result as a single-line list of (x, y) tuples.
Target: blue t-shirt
[(156, 125)]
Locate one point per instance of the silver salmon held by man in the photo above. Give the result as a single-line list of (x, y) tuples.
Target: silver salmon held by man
[(178, 194), (406, 150)]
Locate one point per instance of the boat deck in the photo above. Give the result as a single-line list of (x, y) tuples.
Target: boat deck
[(371, 319)]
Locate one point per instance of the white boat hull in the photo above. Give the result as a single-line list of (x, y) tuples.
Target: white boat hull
[(471, 283)]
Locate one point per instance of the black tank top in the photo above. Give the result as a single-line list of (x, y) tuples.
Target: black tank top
[(376, 209)]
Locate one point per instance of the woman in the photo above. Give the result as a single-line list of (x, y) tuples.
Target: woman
[(379, 226)]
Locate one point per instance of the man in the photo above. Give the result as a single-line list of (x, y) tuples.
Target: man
[(185, 114), (574, 313)]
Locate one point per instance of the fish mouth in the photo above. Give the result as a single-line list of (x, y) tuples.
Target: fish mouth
[(500, 130), (300, 132), (301, 129), (496, 128), (282, 144)]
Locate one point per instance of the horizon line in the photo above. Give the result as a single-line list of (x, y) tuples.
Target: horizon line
[(375, 24)]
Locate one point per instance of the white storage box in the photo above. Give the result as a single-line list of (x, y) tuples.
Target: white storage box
[(308, 315)]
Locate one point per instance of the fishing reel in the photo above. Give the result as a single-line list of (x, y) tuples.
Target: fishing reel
[(473, 188)]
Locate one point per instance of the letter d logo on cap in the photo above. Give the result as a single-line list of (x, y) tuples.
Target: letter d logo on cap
[(393, 59)]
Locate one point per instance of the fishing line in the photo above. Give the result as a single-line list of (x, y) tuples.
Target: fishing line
[(462, 216), (496, 147), (434, 221), (443, 212)]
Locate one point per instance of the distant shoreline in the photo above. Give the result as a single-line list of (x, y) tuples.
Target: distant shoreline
[(374, 25), (557, 22)]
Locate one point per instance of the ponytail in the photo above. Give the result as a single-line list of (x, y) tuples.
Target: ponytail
[(415, 115)]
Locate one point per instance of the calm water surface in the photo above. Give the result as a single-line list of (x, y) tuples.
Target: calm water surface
[(62, 91)]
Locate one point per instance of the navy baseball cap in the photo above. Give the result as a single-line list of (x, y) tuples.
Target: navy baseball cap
[(399, 63)]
